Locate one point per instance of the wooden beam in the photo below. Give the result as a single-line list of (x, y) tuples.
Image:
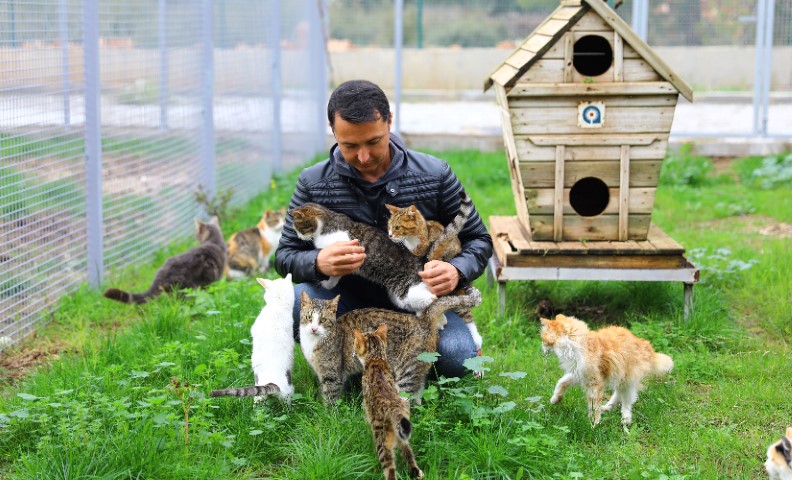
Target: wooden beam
[(618, 58), (624, 192), (592, 89), (558, 195), (569, 48), (518, 189)]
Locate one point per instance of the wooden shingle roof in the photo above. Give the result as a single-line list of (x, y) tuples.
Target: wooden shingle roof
[(557, 24)]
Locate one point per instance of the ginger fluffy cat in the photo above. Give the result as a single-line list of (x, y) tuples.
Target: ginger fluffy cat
[(611, 356)]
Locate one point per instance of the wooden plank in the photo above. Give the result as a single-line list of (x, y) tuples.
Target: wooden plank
[(552, 26), (543, 70), (528, 151), (591, 22), (512, 158), (638, 70), (687, 274), (568, 51), (592, 229), (664, 100), (595, 139), (539, 201), (624, 192), (644, 173), (558, 195), (595, 261), (618, 58), (663, 243), (618, 120), (515, 233), (502, 248), (519, 58), (630, 52), (566, 12), (536, 42), (593, 89), (504, 74)]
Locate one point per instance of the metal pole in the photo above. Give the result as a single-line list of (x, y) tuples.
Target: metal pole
[(207, 93), (419, 21), (640, 18), (767, 65), (164, 64), (397, 46), (277, 90), (93, 143), (319, 60), (762, 66), (64, 39)]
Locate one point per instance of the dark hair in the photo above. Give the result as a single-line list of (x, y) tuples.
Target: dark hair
[(358, 101)]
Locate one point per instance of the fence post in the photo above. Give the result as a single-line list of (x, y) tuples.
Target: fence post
[(318, 55), (398, 35), (93, 143), (64, 39), (764, 64), (207, 95), (640, 18), (164, 64), (277, 89)]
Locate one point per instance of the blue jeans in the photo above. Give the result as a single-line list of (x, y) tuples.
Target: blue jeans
[(455, 344)]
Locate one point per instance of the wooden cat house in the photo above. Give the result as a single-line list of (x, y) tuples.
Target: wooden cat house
[(587, 108)]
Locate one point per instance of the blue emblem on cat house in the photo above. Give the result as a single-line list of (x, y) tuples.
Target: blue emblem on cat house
[(591, 114)]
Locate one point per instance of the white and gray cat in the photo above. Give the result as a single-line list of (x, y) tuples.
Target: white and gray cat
[(273, 345), (392, 267)]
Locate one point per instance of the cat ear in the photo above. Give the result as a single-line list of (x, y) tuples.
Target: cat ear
[(544, 321), (392, 208), (334, 301), (198, 223), (264, 282), (304, 299), (288, 277), (214, 221), (787, 444), (382, 331), (360, 342)]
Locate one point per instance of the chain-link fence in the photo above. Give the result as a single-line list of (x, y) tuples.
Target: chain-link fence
[(114, 113)]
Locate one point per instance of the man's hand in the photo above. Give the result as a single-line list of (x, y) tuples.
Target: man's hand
[(440, 277), (340, 258)]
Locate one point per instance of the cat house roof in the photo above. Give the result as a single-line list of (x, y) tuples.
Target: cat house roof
[(559, 22)]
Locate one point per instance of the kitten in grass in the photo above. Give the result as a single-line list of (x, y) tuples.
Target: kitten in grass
[(611, 356), (779, 458), (387, 413), (272, 337), (387, 264), (249, 250), (327, 341), (194, 268)]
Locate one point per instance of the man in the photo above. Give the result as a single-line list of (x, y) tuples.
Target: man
[(368, 168)]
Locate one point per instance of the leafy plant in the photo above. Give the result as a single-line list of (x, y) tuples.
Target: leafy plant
[(684, 168), (214, 205)]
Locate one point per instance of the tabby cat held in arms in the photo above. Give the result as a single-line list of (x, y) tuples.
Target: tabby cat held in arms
[(387, 264), (429, 240), (593, 359), (249, 250), (387, 413), (327, 341), (779, 458), (272, 337), (194, 268)]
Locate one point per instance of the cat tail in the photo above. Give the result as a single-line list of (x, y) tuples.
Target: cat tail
[(403, 427), (126, 297), (469, 298), (250, 391), (456, 225), (662, 363)]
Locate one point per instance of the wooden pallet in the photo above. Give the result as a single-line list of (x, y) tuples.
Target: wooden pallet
[(517, 257), (515, 248)]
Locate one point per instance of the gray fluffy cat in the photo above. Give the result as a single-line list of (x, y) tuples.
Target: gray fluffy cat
[(392, 267), (194, 268), (328, 342)]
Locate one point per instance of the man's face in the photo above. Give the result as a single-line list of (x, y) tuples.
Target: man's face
[(365, 146)]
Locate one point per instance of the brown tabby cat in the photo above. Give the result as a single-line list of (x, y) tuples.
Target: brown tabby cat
[(387, 413), (249, 250), (428, 238), (327, 341), (194, 268), (779, 458), (592, 359)]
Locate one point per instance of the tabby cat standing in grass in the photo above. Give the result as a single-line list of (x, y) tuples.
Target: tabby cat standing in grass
[(593, 359), (194, 268), (387, 413), (249, 250)]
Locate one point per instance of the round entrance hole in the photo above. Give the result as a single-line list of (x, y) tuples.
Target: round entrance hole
[(592, 55), (589, 196)]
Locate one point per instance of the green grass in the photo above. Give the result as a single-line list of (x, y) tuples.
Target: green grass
[(108, 409)]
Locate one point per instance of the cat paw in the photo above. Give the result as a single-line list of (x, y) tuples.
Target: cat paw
[(626, 420), (478, 374), (606, 408), (555, 399), (416, 472), (259, 399)]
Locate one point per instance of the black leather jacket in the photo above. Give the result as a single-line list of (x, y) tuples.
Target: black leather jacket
[(413, 178)]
